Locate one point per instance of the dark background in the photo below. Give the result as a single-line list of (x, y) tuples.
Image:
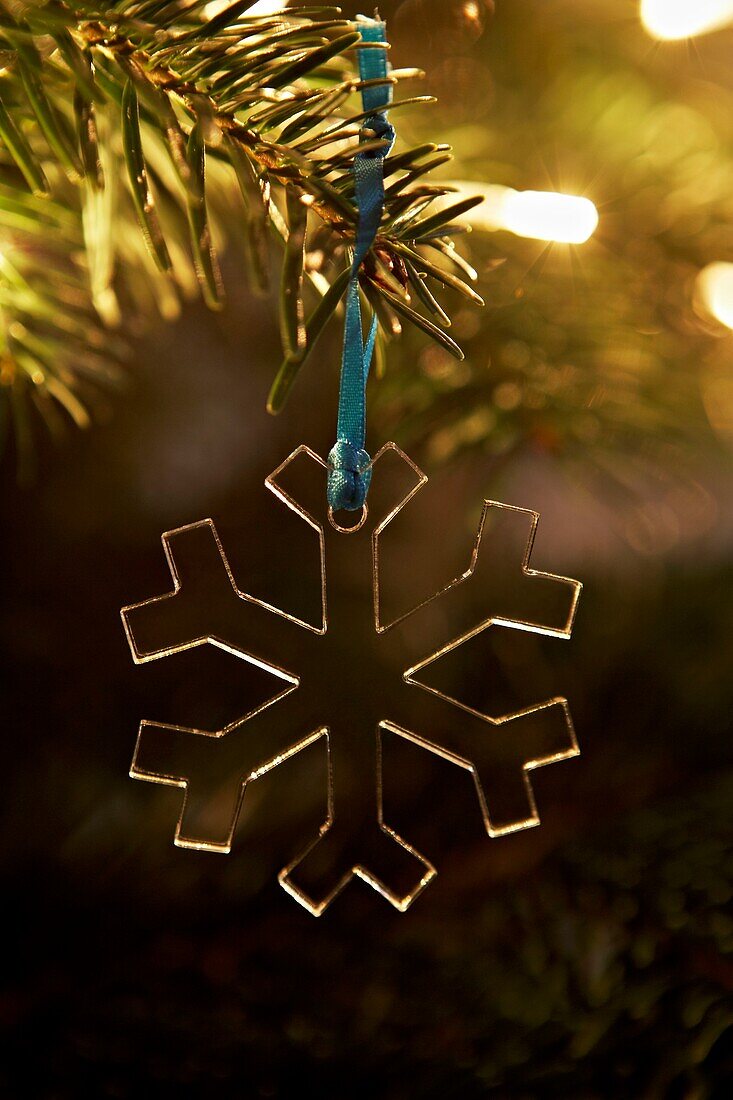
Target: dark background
[(588, 958)]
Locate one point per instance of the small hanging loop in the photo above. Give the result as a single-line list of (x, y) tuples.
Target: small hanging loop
[(349, 530)]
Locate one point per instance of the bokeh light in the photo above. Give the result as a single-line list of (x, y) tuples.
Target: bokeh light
[(675, 19), (540, 215), (548, 216), (267, 7), (260, 7), (715, 291)]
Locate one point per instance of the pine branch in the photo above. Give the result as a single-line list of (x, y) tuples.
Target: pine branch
[(133, 127)]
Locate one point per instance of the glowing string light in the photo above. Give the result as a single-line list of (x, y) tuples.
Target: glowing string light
[(541, 215), (267, 7), (262, 7), (547, 216), (715, 292), (675, 19)]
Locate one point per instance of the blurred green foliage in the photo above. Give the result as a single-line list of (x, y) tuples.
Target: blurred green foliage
[(597, 355)]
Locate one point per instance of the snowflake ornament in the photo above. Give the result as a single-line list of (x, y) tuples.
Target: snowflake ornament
[(353, 681)]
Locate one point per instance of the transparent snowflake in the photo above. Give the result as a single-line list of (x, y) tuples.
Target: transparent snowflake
[(353, 681)]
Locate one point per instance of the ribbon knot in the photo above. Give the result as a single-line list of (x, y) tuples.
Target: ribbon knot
[(349, 475), (382, 130)]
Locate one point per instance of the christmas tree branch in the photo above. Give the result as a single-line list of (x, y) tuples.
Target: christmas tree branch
[(127, 131)]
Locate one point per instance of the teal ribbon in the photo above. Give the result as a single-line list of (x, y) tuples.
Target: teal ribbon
[(349, 473)]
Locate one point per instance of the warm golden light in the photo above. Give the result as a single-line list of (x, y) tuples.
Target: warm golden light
[(547, 216), (675, 19), (267, 7), (262, 7), (541, 215), (715, 292), (214, 8)]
